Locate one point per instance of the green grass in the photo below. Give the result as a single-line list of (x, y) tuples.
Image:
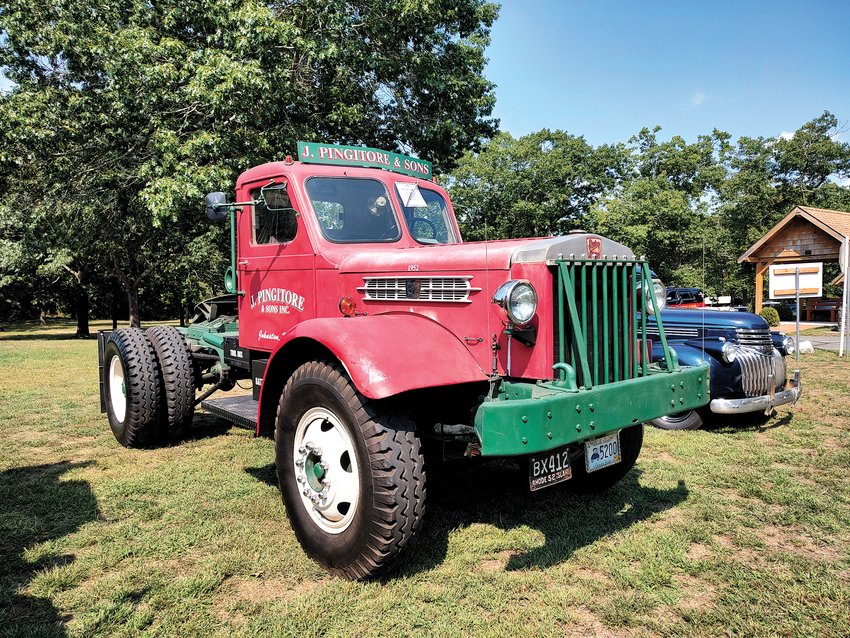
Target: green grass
[(815, 332), (731, 531)]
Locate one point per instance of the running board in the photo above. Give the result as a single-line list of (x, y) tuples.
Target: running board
[(241, 411)]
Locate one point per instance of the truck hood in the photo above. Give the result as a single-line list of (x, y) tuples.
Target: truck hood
[(712, 319), (480, 255)]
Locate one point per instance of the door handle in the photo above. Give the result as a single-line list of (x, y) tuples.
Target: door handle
[(242, 262)]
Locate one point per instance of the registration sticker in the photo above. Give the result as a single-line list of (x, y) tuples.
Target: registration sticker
[(602, 452), (549, 468)]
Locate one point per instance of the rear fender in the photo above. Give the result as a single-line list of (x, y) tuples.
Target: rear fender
[(384, 355)]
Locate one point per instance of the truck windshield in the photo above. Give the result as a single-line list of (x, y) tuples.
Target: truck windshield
[(426, 214), (353, 210)]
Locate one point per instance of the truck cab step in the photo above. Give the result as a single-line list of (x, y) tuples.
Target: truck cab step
[(241, 411)]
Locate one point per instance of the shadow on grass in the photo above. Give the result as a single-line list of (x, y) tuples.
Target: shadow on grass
[(752, 422), (496, 493), (36, 507), (266, 474), (205, 426), (44, 336)]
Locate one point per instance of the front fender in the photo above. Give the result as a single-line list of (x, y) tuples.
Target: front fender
[(388, 354)]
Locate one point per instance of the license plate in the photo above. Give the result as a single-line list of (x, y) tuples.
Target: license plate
[(602, 452), (549, 468)]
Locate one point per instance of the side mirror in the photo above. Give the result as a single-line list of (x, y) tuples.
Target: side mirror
[(216, 204)]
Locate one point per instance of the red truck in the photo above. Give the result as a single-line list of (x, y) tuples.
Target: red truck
[(374, 336)]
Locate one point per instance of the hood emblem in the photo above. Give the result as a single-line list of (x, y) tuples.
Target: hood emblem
[(594, 247), (413, 288)]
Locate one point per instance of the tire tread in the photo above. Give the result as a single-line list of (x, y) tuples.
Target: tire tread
[(177, 371), (142, 420)]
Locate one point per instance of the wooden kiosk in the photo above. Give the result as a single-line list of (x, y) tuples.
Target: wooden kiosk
[(805, 234)]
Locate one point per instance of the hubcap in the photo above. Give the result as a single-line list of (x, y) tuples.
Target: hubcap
[(117, 389), (678, 417), (326, 470)]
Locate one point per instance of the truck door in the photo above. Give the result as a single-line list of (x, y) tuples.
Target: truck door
[(274, 264)]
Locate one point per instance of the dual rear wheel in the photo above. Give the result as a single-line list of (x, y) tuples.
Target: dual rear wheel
[(149, 385)]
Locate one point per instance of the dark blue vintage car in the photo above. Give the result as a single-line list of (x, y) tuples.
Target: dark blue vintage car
[(748, 371)]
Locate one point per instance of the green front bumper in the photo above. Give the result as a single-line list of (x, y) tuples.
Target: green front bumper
[(529, 418)]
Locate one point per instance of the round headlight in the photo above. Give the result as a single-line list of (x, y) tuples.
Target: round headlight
[(660, 292), (729, 352), (788, 345), (519, 300)]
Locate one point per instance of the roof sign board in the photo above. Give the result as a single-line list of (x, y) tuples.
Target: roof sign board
[(783, 280), (318, 153)]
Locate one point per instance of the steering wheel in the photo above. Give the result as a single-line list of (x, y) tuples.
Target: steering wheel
[(427, 222)]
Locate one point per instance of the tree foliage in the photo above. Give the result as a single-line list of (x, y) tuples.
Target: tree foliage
[(125, 114), (539, 184), (691, 208)]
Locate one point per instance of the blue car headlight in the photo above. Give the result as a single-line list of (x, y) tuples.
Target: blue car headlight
[(788, 345)]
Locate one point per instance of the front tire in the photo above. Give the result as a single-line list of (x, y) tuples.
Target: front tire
[(351, 474), (133, 399), (582, 482)]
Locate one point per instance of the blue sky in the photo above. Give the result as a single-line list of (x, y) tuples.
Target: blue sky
[(605, 69)]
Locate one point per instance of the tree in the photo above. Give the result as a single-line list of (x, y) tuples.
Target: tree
[(768, 177), (540, 184), (657, 220), (663, 209), (125, 114)]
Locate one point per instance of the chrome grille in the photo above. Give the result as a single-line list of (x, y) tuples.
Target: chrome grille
[(758, 370), (673, 332), (758, 339), (445, 289)]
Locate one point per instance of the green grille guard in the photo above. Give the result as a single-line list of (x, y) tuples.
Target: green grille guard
[(597, 302)]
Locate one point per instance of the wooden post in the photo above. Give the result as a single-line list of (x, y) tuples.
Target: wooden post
[(760, 268)]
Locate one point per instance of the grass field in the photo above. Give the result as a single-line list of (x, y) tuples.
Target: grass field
[(731, 531)]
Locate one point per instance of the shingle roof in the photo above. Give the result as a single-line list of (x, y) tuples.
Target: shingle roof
[(832, 222)]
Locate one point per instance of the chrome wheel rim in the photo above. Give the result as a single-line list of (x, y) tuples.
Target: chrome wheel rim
[(326, 470), (117, 389), (679, 417)]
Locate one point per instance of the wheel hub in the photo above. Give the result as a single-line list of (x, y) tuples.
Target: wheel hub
[(312, 472), (117, 386), (326, 470)]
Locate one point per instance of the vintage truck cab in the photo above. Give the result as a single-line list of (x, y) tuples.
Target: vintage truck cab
[(374, 336)]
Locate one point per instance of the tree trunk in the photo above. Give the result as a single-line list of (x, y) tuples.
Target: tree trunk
[(115, 296), (82, 309), (133, 303), (179, 299)]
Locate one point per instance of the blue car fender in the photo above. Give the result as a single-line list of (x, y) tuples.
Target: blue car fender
[(724, 377)]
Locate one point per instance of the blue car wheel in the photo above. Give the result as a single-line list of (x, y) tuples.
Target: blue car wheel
[(689, 420)]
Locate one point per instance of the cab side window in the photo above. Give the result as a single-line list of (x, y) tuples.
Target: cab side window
[(273, 226)]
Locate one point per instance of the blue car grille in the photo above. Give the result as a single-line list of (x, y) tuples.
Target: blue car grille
[(758, 370), (757, 339)]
